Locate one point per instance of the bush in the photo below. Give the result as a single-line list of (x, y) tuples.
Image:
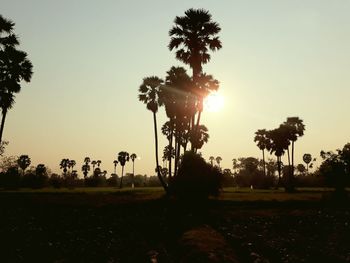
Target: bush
[(196, 179), (95, 181), (10, 179), (56, 181)]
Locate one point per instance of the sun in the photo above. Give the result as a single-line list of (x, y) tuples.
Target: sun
[(213, 102)]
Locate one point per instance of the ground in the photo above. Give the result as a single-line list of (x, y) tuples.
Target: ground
[(108, 225)]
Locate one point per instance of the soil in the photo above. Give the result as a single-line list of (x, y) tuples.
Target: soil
[(71, 228)]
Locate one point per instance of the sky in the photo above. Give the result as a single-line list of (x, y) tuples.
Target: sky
[(279, 59)]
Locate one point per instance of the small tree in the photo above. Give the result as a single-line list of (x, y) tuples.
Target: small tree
[(23, 162)]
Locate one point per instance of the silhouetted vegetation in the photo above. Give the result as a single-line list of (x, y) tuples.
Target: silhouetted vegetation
[(14, 67), (196, 178)]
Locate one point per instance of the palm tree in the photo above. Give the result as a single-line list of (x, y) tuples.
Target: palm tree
[(14, 67), (279, 143), (115, 162), (297, 130), (71, 164), (150, 95), (93, 163), (307, 159), (193, 35), (218, 160), (23, 162), (98, 162), (133, 157), (6, 102), (40, 170), (85, 168), (211, 159), (123, 157), (64, 165), (199, 137), (263, 143)]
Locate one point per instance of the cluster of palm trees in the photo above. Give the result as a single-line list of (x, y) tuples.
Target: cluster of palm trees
[(67, 165), (122, 158), (192, 36), (218, 160), (281, 140), (14, 67)]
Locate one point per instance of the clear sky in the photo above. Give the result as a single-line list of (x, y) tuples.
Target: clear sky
[(279, 59)]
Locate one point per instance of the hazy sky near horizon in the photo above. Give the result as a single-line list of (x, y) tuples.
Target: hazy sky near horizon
[(279, 59)]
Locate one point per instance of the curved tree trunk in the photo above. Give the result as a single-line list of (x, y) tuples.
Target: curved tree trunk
[(165, 186), (4, 112)]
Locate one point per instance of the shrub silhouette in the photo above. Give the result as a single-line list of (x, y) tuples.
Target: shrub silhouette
[(196, 179)]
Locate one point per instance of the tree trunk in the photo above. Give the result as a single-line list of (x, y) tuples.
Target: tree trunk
[(264, 162), (121, 179), (165, 186), (170, 145), (292, 159), (133, 174), (279, 170), (196, 128), (4, 112)]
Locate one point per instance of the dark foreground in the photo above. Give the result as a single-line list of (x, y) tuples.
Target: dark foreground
[(51, 227)]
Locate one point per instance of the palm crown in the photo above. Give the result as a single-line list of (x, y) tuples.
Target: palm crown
[(150, 93), (193, 35)]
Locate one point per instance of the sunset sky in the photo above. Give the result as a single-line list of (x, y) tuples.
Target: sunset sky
[(279, 59)]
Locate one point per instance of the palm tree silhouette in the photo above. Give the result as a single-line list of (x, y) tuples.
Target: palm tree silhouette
[(123, 157), (279, 143), (307, 159), (193, 35), (198, 137), (218, 160), (263, 143), (23, 162), (93, 163), (7, 100), (71, 164), (85, 168), (133, 157), (115, 163), (211, 159), (150, 95), (98, 162), (14, 67), (297, 130), (64, 165)]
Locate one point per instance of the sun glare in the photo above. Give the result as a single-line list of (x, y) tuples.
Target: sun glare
[(214, 102)]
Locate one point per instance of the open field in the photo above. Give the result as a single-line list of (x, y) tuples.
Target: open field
[(134, 225)]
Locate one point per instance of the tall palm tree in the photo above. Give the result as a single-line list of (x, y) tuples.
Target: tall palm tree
[(279, 144), (263, 143), (297, 128), (150, 95), (7, 100), (307, 159), (14, 67), (211, 159), (64, 165), (133, 157), (115, 163), (123, 157), (23, 162), (218, 160), (193, 35)]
